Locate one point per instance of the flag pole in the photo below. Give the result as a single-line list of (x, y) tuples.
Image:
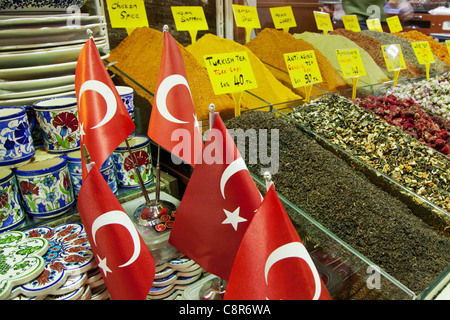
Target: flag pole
[(138, 174), (268, 179)]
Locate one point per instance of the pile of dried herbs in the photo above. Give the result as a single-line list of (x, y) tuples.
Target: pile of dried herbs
[(383, 146), (343, 200)]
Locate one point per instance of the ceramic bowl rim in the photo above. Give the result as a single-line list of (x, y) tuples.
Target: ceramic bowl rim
[(20, 112), (37, 107), (57, 166), (136, 146)]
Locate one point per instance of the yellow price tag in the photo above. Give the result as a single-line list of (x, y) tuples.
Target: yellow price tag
[(246, 16), (423, 52), (230, 72), (283, 17), (350, 62), (394, 24), (393, 57), (351, 23), (128, 14), (447, 43), (374, 25), (303, 68), (323, 21), (189, 18)]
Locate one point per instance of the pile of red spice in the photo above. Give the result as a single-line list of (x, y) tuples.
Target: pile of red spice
[(407, 114)]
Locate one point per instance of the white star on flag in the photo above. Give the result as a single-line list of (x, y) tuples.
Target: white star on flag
[(233, 218), (82, 133), (103, 266)]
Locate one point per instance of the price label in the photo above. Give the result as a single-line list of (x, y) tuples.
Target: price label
[(350, 62), (283, 17), (323, 21), (246, 16), (351, 23), (394, 24), (374, 25), (128, 14), (447, 43), (303, 68), (423, 52), (393, 57), (189, 18), (230, 72)]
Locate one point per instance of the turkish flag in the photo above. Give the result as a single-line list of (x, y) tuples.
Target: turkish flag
[(104, 121), (218, 204), (173, 121), (127, 265), (272, 263)]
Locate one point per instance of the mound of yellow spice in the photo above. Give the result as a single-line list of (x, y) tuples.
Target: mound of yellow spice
[(139, 57), (269, 90), (270, 45)]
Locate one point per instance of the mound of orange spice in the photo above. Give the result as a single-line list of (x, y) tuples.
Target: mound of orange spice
[(139, 57)]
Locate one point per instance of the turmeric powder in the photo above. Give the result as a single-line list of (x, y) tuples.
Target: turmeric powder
[(270, 45), (269, 90), (438, 49), (139, 56)]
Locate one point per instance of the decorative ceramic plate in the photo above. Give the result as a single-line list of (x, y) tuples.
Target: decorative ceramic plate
[(30, 46), (31, 100), (69, 254), (39, 5), (20, 260), (42, 56), (37, 84), (11, 37), (7, 95), (37, 72)]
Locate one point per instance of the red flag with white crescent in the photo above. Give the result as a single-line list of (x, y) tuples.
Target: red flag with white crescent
[(126, 263), (217, 206), (104, 121), (272, 262), (173, 121)]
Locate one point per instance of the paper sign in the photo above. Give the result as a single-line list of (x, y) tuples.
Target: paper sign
[(128, 14), (303, 68), (323, 21), (189, 18), (393, 57), (374, 25), (283, 17), (351, 23), (246, 16), (350, 62), (230, 72), (423, 52), (394, 24)]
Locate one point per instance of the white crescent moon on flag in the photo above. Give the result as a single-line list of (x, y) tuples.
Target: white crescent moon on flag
[(163, 90), (106, 93), (294, 250), (234, 167), (119, 217)]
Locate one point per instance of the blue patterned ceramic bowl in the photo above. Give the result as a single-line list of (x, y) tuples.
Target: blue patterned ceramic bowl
[(127, 96), (16, 143), (123, 163), (58, 119), (11, 213), (41, 5), (46, 187), (74, 164)]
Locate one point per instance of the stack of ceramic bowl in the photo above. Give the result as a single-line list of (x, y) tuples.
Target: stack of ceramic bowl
[(173, 277), (40, 42), (60, 265)]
